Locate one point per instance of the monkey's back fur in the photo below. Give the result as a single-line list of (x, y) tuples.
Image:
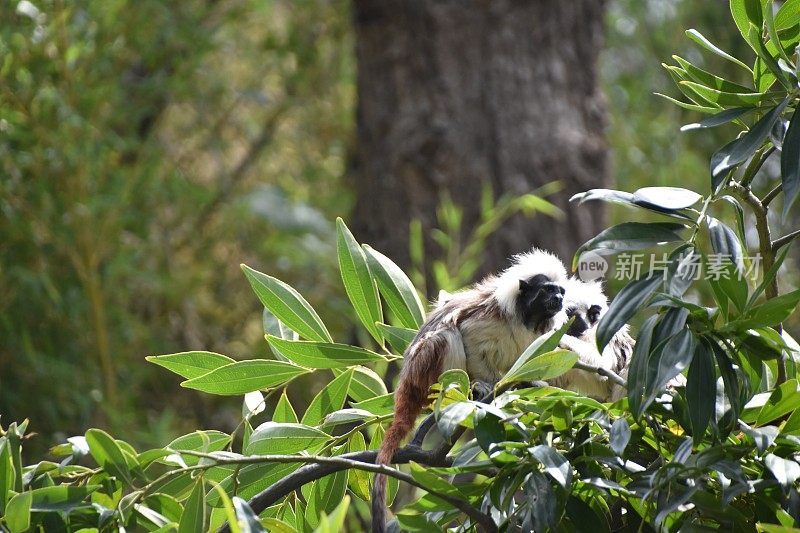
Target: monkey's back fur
[(478, 330)]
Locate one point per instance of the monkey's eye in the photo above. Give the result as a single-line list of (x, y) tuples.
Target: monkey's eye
[(593, 314)]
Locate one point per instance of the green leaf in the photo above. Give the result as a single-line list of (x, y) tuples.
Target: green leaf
[(18, 512), (326, 494), (619, 436), (786, 471), (668, 362), (331, 398), (284, 412), (334, 522), (276, 438), (744, 12), (766, 55), (542, 511), (722, 98), (710, 80), (665, 198), (201, 441), (358, 282), (398, 291), (312, 354), (717, 120), (630, 299), (245, 376), (247, 519), (60, 498), (788, 15), (108, 454), (701, 389), (634, 236), (772, 32), (637, 372), (366, 384), (790, 163), (697, 37), (287, 305), (432, 481), (738, 150), (7, 474), (555, 464), (195, 515), (725, 243), (769, 276), (380, 405), (399, 338), (190, 364), (542, 367), (772, 312), (690, 107), (543, 344), (784, 399)]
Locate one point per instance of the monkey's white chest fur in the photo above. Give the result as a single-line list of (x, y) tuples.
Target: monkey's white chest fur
[(492, 346)]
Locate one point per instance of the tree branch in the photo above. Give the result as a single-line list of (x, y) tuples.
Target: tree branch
[(777, 244), (603, 372), (323, 466)]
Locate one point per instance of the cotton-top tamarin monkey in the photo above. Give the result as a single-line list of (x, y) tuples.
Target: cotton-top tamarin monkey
[(482, 330), (587, 303)]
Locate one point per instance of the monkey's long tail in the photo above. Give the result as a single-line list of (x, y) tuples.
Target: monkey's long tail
[(409, 399)]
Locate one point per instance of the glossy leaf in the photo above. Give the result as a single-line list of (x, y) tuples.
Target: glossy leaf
[(722, 98), (788, 15), (284, 438), (246, 518), (701, 389), (60, 498), (629, 300), (312, 354), (670, 361), (709, 110), (541, 513), (666, 197), (790, 164), (190, 364), (542, 367), (331, 398), (108, 454), (366, 384), (399, 338), (18, 512), (619, 436), (719, 119), (287, 305), (245, 376), (395, 287), (325, 495), (333, 522), (195, 513), (725, 242), (358, 280), (697, 37), (744, 12), (634, 236), (738, 150), (784, 399)]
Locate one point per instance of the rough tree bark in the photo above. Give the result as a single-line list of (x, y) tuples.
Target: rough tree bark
[(456, 93)]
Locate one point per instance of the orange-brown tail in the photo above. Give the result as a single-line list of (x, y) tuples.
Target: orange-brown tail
[(421, 370)]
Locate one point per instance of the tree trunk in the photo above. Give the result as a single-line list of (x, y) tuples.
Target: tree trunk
[(453, 94)]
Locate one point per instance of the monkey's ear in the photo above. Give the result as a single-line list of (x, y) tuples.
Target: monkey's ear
[(523, 285)]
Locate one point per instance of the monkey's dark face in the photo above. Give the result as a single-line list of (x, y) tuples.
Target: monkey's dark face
[(585, 319), (540, 299)]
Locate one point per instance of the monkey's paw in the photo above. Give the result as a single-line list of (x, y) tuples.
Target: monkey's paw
[(482, 391)]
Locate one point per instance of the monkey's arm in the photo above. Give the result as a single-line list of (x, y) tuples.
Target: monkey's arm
[(587, 352)]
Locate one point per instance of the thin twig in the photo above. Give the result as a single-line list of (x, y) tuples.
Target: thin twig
[(777, 244), (603, 372), (771, 195)]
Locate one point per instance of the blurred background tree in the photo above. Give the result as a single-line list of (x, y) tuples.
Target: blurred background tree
[(147, 148)]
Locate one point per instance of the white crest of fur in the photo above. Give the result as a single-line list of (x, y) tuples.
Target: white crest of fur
[(584, 294), (524, 267)]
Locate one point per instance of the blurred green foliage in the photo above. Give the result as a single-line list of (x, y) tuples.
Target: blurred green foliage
[(148, 147)]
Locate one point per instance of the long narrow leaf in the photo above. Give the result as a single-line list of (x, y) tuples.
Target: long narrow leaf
[(358, 280)]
